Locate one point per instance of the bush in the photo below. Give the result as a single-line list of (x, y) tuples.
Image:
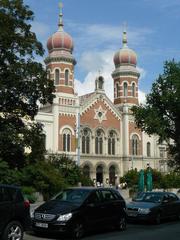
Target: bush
[(43, 177), (131, 178), (165, 181)]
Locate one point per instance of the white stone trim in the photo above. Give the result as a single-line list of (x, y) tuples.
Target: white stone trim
[(64, 127), (134, 133)]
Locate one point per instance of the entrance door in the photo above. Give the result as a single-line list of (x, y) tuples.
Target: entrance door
[(99, 174), (112, 175)]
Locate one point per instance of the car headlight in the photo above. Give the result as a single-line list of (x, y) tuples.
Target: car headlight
[(65, 217), (32, 213), (144, 210)]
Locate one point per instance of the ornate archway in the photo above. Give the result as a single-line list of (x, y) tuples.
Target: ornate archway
[(86, 171)]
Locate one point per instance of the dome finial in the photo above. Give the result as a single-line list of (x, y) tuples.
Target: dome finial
[(124, 41), (60, 16)]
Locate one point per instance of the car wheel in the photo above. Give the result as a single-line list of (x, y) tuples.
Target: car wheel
[(157, 219), (13, 231), (121, 224), (78, 230)]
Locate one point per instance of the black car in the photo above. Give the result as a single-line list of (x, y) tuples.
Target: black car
[(154, 206), (76, 210), (14, 213)]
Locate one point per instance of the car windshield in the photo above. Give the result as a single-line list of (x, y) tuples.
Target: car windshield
[(149, 197), (72, 195)]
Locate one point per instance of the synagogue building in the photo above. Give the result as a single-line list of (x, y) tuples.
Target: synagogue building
[(99, 134)]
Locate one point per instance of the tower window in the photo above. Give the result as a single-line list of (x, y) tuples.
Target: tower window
[(117, 90), (133, 90), (57, 77), (125, 88), (66, 77)]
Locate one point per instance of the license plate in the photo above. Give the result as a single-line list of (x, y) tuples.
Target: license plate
[(42, 225), (132, 214)]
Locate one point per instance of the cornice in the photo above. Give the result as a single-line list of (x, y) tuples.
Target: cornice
[(60, 59), (125, 73)]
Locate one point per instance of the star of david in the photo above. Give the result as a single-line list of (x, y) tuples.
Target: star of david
[(100, 114)]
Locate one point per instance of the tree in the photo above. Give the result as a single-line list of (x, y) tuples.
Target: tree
[(161, 113), (44, 178), (23, 83), (69, 170)]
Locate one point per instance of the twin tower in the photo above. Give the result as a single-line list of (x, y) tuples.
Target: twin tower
[(60, 65)]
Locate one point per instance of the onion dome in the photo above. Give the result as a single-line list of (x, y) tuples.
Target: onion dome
[(125, 56), (60, 40)]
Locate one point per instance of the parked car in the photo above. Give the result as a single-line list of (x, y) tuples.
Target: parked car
[(14, 213), (154, 206), (76, 210)]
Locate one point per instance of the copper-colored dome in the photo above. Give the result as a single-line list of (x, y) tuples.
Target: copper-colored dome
[(125, 56), (60, 41)]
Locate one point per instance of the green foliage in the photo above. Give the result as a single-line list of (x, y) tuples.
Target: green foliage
[(159, 180), (29, 193), (7, 175), (69, 170), (47, 177), (131, 178), (43, 177), (23, 83), (160, 115)]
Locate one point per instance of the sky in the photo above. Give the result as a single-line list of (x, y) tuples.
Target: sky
[(96, 27)]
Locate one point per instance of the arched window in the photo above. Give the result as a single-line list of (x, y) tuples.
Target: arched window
[(117, 90), (148, 149), (57, 77), (135, 141), (133, 89), (125, 89), (86, 171), (86, 141), (66, 140), (111, 143), (48, 74), (101, 83), (99, 142), (66, 77)]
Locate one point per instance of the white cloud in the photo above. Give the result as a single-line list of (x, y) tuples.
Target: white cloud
[(88, 36), (103, 61), (142, 97), (142, 72), (88, 86)]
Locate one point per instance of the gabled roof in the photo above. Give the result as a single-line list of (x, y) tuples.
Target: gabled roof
[(88, 100)]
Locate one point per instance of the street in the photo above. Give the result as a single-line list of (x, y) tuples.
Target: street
[(166, 231)]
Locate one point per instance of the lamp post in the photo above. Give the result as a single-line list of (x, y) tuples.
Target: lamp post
[(132, 162), (78, 153), (77, 131)]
